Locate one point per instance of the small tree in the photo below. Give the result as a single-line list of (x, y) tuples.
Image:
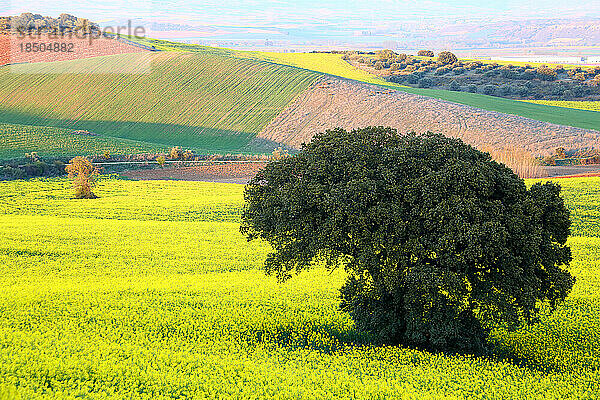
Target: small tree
[(385, 54), (175, 153), (33, 156), (279, 153), (440, 242), (84, 174), (188, 155), (160, 160), (445, 57)]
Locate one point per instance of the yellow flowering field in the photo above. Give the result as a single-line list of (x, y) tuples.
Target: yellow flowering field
[(151, 292)]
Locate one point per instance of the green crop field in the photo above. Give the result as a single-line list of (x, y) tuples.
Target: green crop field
[(204, 101), (17, 140), (333, 64), (150, 292)]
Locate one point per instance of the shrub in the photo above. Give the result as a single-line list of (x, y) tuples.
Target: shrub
[(505, 90), (187, 155), (425, 53), (413, 79), (425, 82), (378, 65), (160, 160), (440, 243), (445, 57), (83, 173), (385, 54), (527, 75), (490, 90), (524, 91), (558, 90), (175, 153), (454, 86), (508, 73), (472, 88), (546, 74)]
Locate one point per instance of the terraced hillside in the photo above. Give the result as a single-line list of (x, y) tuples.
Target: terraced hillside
[(204, 101), (347, 104)]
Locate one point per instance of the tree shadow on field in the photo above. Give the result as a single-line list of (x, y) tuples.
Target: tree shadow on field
[(197, 137), (326, 338)]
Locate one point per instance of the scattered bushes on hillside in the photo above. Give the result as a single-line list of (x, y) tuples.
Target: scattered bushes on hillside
[(440, 243), (83, 173), (521, 82), (425, 53)]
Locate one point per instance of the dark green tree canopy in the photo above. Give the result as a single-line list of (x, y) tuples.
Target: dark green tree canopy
[(439, 241)]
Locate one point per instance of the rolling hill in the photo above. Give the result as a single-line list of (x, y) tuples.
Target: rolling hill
[(203, 101), (332, 64), (215, 100), (349, 104)]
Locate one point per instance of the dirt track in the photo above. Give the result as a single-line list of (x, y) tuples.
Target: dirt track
[(341, 103), (225, 173)]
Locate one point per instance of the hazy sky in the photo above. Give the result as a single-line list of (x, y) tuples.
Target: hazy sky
[(275, 12), (303, 22)]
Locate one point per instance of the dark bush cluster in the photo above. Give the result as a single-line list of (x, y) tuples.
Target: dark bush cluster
[(510, 81), (31, 167)]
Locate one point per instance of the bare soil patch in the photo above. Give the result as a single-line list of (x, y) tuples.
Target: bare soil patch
[(15, 49), (347, 104), (226, 173), (572, 171)]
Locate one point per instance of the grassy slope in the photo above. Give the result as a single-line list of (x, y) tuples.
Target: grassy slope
[(334, 65), (150, 292), (47, 141), (205, 101)]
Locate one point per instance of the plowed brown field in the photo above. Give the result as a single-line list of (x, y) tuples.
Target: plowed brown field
[(340, 103), (15, 49)]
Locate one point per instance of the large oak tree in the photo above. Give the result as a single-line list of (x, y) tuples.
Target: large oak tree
[(440, 243)]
